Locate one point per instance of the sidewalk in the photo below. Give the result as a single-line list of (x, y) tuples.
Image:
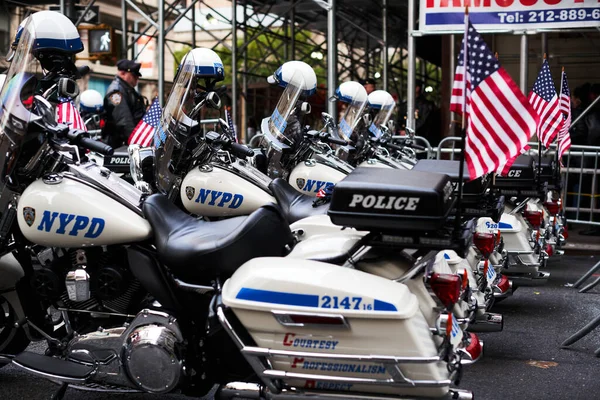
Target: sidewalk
[(577, 242)]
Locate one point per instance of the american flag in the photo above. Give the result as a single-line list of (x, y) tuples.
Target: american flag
[(564, 139), (545, 102), (144, 131), (500, 120), (66, 113)]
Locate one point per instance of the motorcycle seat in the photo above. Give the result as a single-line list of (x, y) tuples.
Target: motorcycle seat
[(197, 251), (295, 205)]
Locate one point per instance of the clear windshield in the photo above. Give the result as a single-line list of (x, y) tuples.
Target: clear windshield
[(19, 88), (176, 125), (382, 117), (287, 102), (350, 118)]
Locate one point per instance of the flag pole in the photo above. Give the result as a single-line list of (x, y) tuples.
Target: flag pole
[(539, 167), (461, 167), (557, 157)]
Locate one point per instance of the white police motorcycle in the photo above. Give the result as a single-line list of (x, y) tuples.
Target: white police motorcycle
[(185, 304)]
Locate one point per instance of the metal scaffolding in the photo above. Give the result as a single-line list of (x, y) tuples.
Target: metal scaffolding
[(361, 39)]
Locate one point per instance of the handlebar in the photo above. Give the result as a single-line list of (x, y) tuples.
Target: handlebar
[(79, 138), (240, 150), (335, 141)]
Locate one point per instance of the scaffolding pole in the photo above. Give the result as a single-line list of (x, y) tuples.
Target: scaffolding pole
[(234, 91), (384, 54), (161, 52), (331, 59), (245, 119), (124, 41), (410, 76), (524, 61)]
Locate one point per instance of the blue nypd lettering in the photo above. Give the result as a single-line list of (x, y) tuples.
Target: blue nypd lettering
[(219, 199), (71, 224), (314, 186)]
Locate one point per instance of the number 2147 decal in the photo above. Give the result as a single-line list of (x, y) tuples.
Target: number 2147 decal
[(348, 303)]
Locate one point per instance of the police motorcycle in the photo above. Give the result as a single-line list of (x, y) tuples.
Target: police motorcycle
[(215, 180), (321, 230), (286, 328)]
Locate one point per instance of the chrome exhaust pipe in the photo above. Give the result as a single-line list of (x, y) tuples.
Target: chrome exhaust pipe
[(537, 278), (461, 394), (503, 295), (489, 322)]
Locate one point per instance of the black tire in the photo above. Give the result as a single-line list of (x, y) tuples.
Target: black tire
[(12, 340)]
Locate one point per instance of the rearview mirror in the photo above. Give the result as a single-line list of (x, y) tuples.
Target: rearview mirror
[(367, 119), (68, 88), (45, 110), (213, 100)]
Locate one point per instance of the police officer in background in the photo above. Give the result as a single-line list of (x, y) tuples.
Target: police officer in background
[(124, 106), (427, 116)]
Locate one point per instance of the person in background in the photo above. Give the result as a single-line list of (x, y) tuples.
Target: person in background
[(370, 85), (124, 106), (427, 117)]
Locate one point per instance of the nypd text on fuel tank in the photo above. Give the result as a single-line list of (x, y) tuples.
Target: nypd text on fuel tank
[(71, 224), (385, 202), (314, 186), (219, 199)]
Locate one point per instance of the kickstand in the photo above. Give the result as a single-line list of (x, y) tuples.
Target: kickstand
[(60, 393)]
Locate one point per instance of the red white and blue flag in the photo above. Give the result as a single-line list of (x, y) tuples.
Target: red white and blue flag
[(143, 133), (67, 114), (564, 138), (499, 118), (544, 100)]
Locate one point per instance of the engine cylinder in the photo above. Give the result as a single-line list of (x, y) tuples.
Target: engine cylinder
[(151, 360)]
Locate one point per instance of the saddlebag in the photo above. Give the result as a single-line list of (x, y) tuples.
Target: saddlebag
[(476, 201), (323, 327), (521, 180)]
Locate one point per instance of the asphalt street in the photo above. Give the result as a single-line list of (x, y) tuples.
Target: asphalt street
[(524, 361)]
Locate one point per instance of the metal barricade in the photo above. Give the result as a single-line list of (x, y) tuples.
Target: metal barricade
[(581, 192)]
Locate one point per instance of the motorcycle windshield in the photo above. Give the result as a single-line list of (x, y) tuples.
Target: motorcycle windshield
[(176, 125), (382, 117), (286, 105), (350, 118)]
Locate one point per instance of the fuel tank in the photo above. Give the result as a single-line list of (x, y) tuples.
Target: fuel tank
[(212, 191), (309, 177), (66, 212)]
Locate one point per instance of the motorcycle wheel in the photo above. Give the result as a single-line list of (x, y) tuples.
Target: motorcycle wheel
[(12, 340)]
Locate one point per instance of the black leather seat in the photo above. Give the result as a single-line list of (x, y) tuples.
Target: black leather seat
[(295, 205), (197, 251)]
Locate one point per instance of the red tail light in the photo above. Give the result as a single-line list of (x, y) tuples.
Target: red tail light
[(484, 242), (503, 284), (446, 287), (465, 280), (535, 218), (486, 265), (565, 232), (102, 123), (549, 250), (474, 347), (553, 207)]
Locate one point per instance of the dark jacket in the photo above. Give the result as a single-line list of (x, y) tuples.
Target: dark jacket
[(427, 119), (124, 108)]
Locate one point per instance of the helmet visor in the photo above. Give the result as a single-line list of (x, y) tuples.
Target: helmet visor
[(382, 117), (287, 102), (351, 117)]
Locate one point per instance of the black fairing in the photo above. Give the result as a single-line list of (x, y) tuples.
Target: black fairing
[(147, 270)]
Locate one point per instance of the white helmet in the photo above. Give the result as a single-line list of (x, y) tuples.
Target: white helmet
[(91, 101), (297, 72), (355, 95), (207, 64), (383, 104), (55, 33)]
